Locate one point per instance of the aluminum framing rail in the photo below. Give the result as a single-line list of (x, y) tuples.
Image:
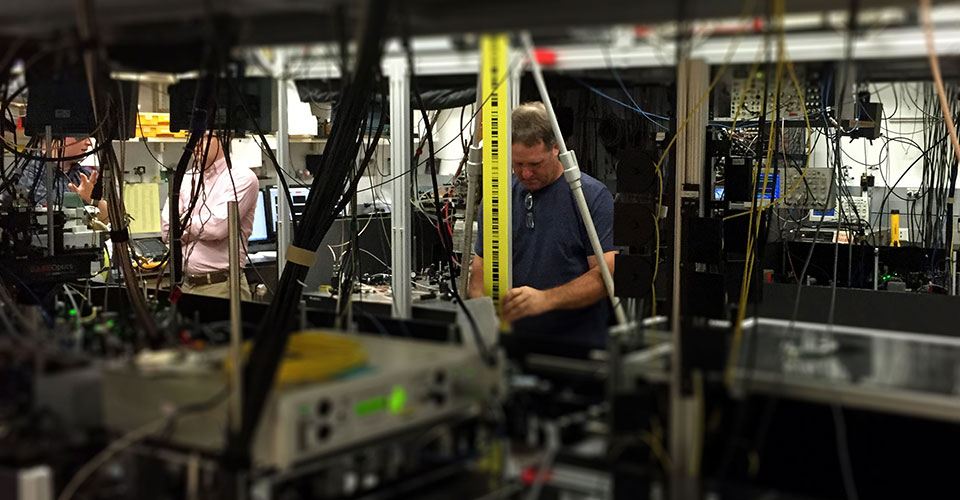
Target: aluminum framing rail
[(401, 222), (892, 43), (284, 210)]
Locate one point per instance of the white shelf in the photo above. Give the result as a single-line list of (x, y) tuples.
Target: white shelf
[(159, 139), (293, 140)]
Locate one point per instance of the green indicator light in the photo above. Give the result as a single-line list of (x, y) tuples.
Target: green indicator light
[(398, 399), (73, 312), (370, 406), (110, 323)]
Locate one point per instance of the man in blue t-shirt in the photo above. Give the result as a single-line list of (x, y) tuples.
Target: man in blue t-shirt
[(558, 289), (71, 176)]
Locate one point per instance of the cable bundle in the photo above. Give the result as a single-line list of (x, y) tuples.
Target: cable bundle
[(329, 194)]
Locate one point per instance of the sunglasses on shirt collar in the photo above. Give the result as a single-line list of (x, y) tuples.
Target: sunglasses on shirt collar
[(528, 204)]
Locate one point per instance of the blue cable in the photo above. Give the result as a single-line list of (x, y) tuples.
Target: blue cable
[(636, 106), (648, 116)]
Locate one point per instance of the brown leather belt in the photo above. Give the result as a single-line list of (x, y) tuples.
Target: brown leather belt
[(211, 278)]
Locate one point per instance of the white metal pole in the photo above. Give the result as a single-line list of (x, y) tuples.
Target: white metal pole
[(474, 176), (284, 219), (236, 333), (401, 257), (571, 171)]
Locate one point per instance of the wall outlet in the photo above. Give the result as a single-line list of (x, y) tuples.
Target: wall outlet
[(904, 234)]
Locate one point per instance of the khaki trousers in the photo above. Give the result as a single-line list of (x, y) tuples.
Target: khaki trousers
[(221, 290)]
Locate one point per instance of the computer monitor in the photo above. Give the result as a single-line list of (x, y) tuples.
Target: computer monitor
[(772, 188), (59, 97), (853, 207), (253, 108), (259, 220), (299, 195), (827, 215)]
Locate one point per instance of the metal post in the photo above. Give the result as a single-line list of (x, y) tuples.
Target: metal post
[(513, 82), (401, 257), (284, 219), (236, 354), (953, 272), (354, 263), (193, 476), (48, 183), (691, 85), (474, 171), (876, 266), (170, 216), (953, 261), (678, 405), (474, 176), (696, 140)]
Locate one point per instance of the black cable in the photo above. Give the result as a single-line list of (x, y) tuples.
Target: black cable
[(16, 169), (842, 449), (4, 181), (368, 155), (293, 177), (477, 112), (948, 240), (273, 158), (446, 241), (146, 146), (886, 147), (103, 104), (843, 453), (388, 181), (890, 190), (327, 189), (346, 288), (203, 106)]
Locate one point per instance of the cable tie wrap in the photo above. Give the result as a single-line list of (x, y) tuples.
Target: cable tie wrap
[(301, 256)]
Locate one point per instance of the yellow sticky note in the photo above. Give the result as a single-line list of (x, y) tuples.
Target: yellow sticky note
[(142, 202)]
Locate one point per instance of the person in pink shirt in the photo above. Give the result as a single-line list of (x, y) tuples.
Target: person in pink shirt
[(205, 229)]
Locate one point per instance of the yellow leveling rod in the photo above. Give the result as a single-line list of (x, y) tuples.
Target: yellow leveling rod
[(496, 169)]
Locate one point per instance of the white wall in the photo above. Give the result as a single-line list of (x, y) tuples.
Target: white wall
[(446, 139), (902, 120)]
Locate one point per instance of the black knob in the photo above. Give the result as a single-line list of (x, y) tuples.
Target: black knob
[(438, 397), (324, 407), (323, 432)]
